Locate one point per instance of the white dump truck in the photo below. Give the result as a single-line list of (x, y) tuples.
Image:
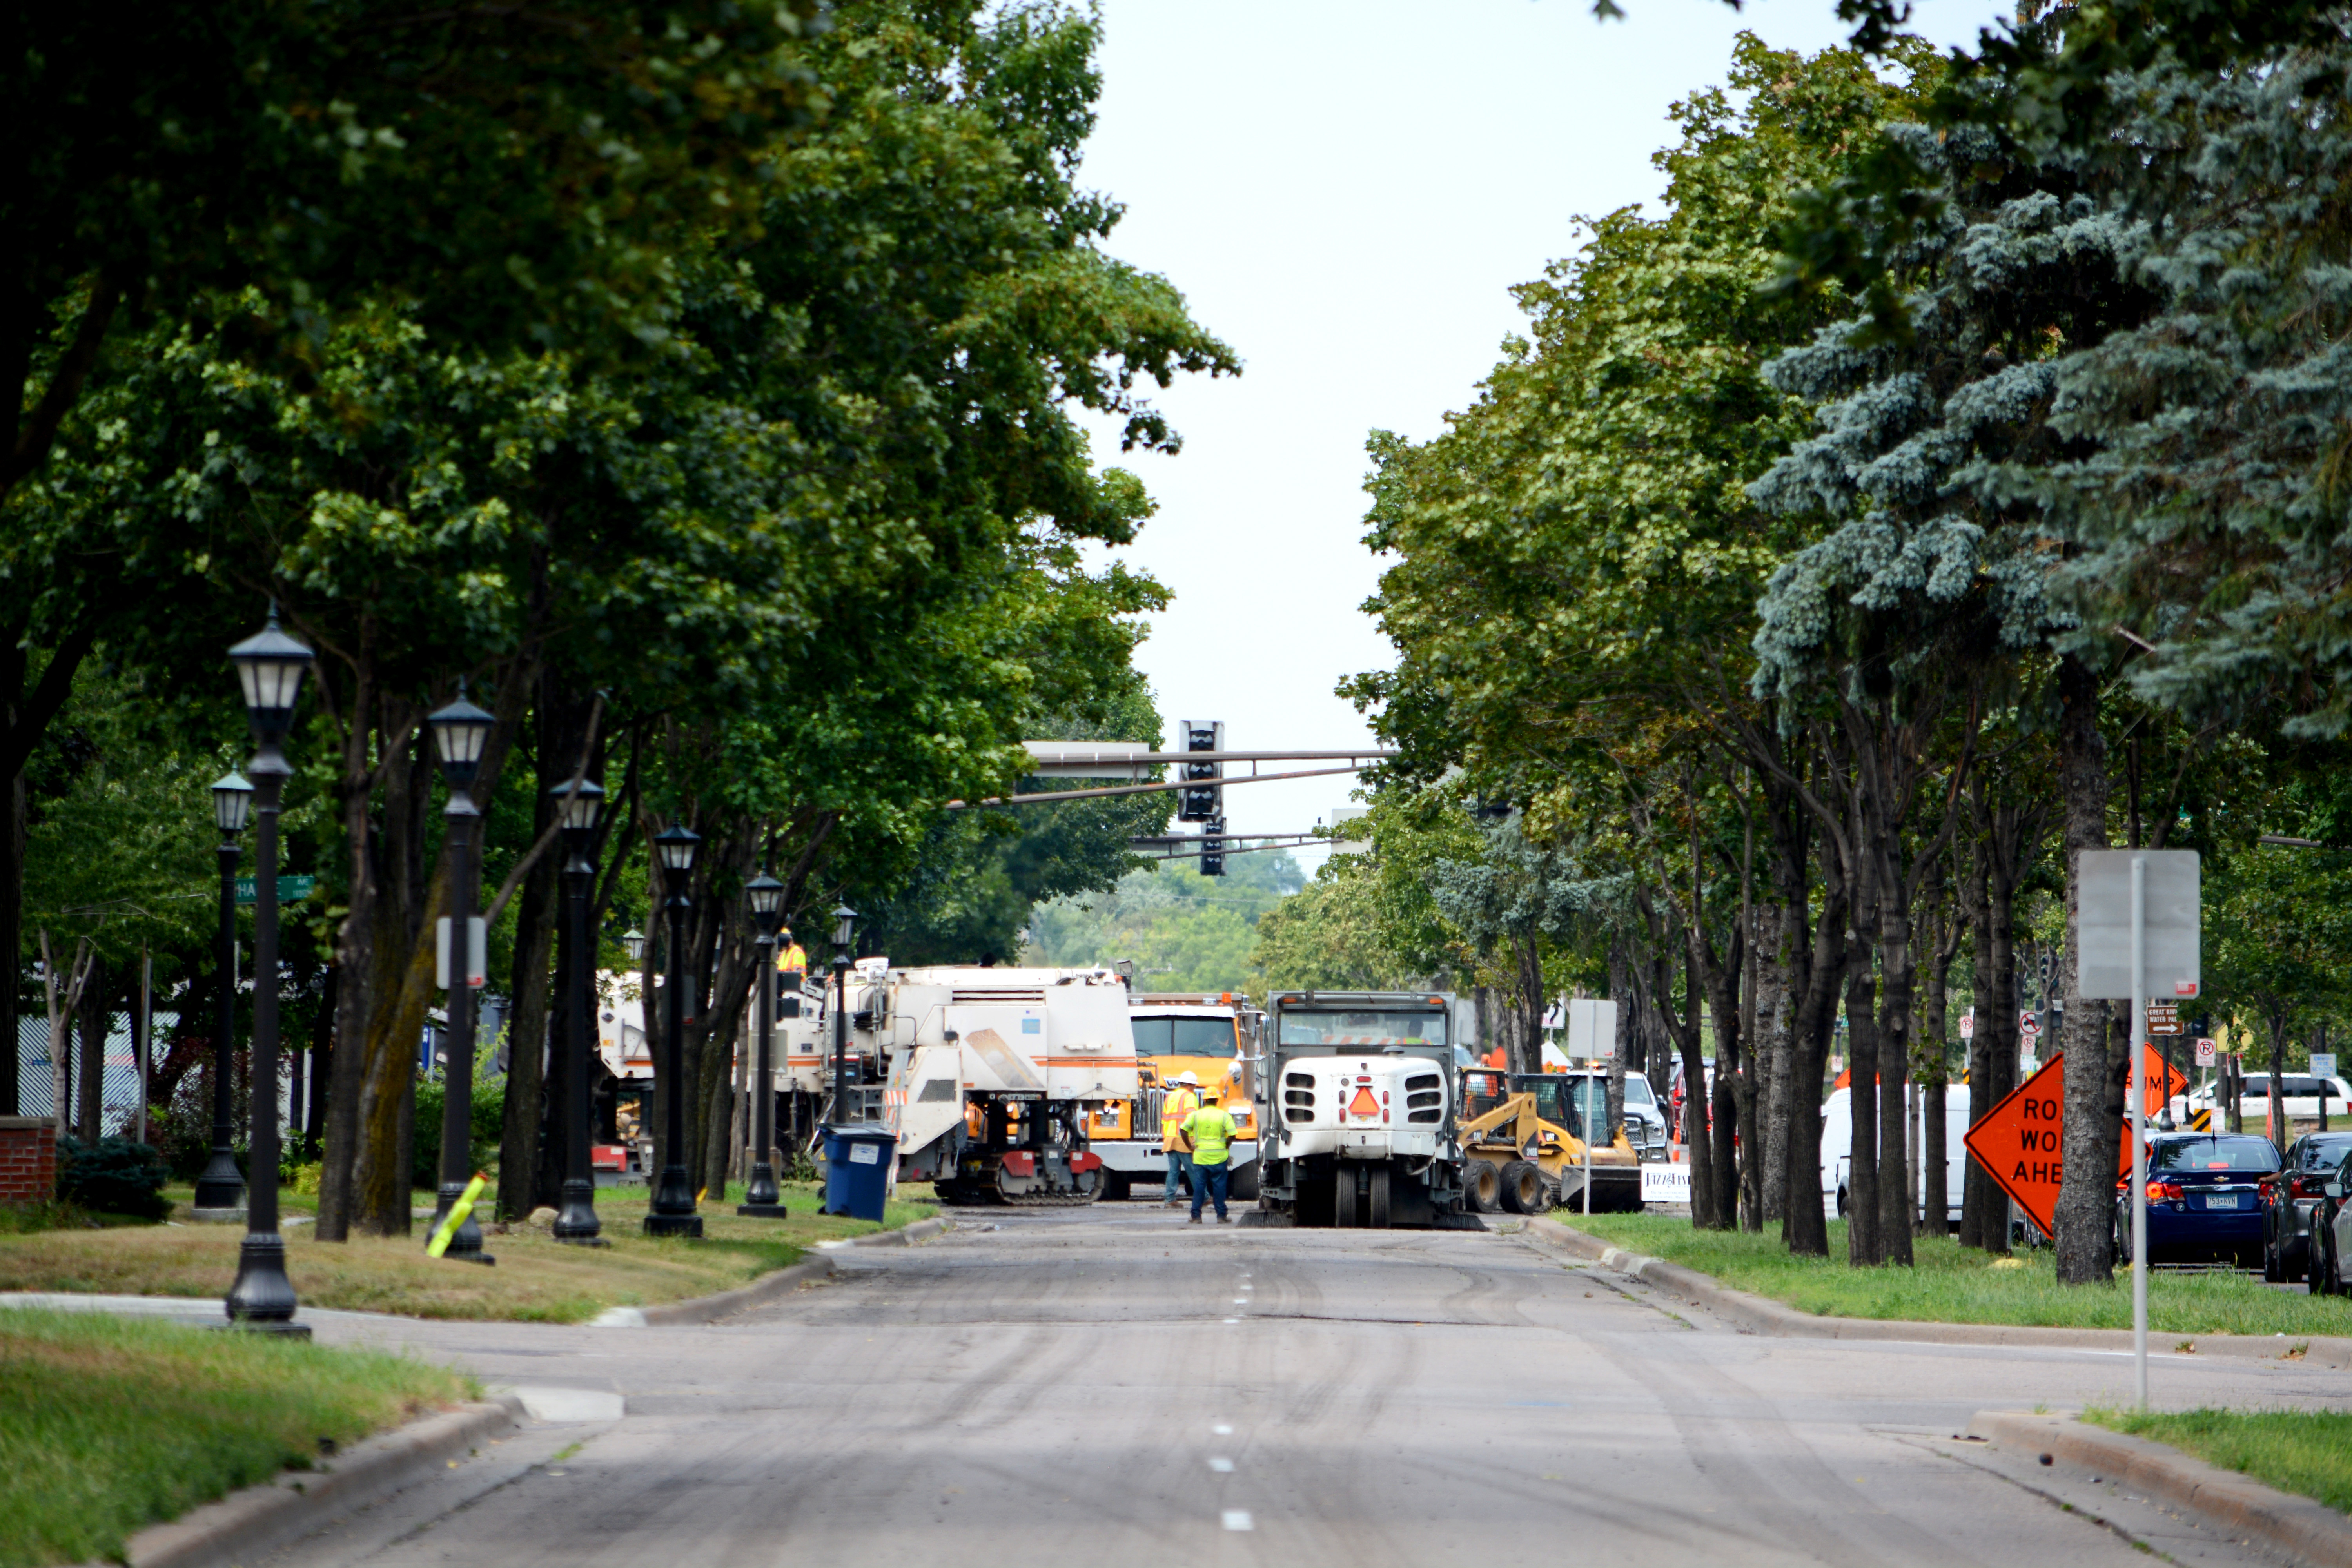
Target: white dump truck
[(989, 1074), (1355, 1099)]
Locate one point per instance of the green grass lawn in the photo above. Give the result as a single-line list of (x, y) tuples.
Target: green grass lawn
[(1953, 1284), (109, 1425), (2307, 1452), (537, 1278)]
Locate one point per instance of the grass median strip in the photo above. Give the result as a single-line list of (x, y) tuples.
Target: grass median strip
[(2307, 1452), (110, 1424), (536, 1279), (1954, 1284)]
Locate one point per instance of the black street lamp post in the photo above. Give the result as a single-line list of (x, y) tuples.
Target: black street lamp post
[(845, 926), (459, 733), (269, 666), (672, 1211), (220, 1191), (578, 808), (761, 1198)]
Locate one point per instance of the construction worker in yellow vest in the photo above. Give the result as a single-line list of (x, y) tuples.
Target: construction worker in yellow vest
[(1209, 1131), (791, 958), (1181, 1102)]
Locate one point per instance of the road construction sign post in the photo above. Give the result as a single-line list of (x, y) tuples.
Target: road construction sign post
[(2137, 931)]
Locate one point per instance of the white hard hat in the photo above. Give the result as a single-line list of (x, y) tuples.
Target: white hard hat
[(1191, 1078)]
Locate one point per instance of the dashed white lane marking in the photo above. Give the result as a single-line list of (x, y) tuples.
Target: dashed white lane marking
[(1222, 1465), (1233, 1320), (1241, 1301), (1222, 1430), (1238, 1518)]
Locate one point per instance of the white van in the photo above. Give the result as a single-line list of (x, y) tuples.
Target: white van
[(1837, 1147), (2298, 1091)]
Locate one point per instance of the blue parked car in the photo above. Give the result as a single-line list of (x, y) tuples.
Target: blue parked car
[(2204, 1198)]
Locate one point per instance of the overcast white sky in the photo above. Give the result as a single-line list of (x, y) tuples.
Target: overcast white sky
[(1345, 190)]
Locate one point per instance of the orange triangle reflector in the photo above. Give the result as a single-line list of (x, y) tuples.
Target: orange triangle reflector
[(1363, 1104)]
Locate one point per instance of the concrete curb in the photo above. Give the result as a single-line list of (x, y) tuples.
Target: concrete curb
[(1756, 1315), (252, 1523), (708, 1309), (768, 1287), (2304, 1530)]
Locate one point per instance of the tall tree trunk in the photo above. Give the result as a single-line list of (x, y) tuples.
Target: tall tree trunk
[(1978, 1192), (313, 1120), (1785, 971), (12, 933), (90, 1103), (540, 1054), (1628, 1040), (722, 1023), (399, 986), (357, 960), (2084, 1243), (1862, 1245), (1775, 1018), (1932, 1057), (1685, 1028), (1805, 1224), (1895, 1191)]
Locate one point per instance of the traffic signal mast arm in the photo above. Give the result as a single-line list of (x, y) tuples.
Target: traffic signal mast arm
[(1055, 795)]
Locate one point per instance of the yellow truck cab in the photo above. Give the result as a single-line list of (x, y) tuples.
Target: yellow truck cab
[(1213, 1037)]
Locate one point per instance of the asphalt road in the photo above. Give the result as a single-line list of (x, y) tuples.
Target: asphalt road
[(1111, 1385)]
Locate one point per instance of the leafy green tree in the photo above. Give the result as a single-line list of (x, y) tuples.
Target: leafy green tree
[(1579, 558), (1331, 937), (1181, 931), (258, 174)]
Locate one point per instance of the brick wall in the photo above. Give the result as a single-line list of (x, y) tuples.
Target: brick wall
[(29, 1159)]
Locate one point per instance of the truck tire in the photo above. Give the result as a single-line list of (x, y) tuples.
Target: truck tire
[(1376, 1200), (1243, 1184), (1482, 1186), (1522, 1187), (1343, 1196)]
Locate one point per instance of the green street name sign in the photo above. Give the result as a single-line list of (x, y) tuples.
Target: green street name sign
[(290, 889)]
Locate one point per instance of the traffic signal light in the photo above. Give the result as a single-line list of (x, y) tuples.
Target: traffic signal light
[(1212, 849), (1207, 800)]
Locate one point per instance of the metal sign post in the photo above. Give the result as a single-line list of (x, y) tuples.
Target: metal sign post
[(1591, 1034), (2139, 928)]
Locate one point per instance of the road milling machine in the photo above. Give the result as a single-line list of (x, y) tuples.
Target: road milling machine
[(1357, 1097), (1213, 1037), (990, 1075), (1522, 1141)]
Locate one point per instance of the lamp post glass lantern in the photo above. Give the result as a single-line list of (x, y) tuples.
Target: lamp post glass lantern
[(460, 730), (634, 940), (761, 1198), (671, 1213), (578, 809), (269, 666), (220, 1190)]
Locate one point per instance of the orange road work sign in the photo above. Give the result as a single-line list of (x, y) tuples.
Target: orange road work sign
[(2018, 1141), (2160, 1080)]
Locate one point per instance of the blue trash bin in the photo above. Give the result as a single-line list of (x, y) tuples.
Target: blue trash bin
[(857, 1161)]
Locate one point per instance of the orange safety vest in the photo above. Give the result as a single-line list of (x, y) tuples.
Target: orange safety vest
[(1180, 1104)]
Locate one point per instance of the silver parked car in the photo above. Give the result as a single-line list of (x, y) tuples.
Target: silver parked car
[(2290, 1197)]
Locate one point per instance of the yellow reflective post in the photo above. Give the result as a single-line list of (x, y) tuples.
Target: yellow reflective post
[(457, 1212)]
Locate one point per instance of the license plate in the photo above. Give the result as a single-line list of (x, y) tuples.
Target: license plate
[(2225, 1200)]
